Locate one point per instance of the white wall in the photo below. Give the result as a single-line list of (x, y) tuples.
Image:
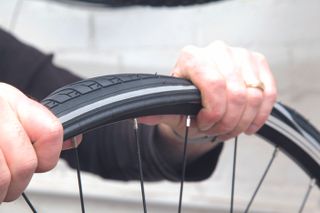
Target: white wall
[(95, 41)]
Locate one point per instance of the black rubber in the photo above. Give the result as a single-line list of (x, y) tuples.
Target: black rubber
[(153, 3), (91, 103)]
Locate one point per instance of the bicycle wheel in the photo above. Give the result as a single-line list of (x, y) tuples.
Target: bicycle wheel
[(88, 104)]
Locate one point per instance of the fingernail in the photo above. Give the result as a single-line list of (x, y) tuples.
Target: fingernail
[(72, 143), (205, 126)]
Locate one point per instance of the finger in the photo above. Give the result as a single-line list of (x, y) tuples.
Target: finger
[(236, 91), (44, 130), (5, 177), (270, 94), (254, 96), (17, 150), (247, 118), (214, 101), (208, 80)]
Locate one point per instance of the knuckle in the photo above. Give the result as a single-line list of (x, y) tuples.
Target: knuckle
[(188, 60), (218, 44), (238, 96), (213, 87), (243, 52), (54, 129), (218, 84), (271, 96), (219, 47), (189, 50), (191, 64), (8, 90)]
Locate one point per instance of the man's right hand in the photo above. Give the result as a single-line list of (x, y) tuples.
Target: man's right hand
[(30, 141)]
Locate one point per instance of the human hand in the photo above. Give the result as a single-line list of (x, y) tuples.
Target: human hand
[(30, 141), (227, 78)]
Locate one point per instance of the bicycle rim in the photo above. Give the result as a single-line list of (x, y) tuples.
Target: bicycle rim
[(88, 104)]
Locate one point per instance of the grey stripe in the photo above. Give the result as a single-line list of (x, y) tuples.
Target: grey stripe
[(293, 135), (121, 97), (311, 139), (275, 123)]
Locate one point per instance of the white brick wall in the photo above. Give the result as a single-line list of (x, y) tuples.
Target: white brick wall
[(94, 41)]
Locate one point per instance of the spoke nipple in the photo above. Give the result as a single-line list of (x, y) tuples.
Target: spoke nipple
[(135, 123), (188, 121), (276, 151), (74, 142)]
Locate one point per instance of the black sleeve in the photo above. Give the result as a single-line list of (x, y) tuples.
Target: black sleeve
[(109, 151), (28, 69)]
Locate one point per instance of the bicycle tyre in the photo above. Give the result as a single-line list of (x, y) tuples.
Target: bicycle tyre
[(91, 103)]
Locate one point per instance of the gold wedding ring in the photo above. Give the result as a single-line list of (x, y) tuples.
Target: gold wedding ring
[(258, 85)]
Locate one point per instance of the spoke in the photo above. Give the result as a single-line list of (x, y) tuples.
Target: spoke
[(306, 196), (136, 131), (184, 161), (262, 179), (233, 173), (28, 202), (78, 173)]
